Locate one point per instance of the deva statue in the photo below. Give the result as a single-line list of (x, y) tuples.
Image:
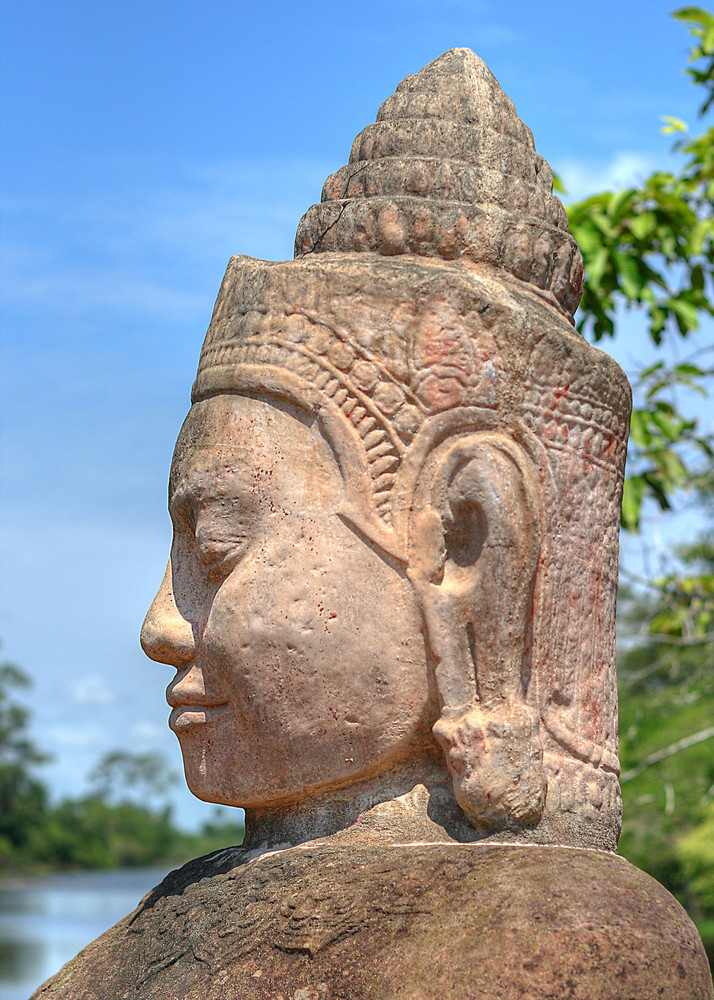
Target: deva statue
[(390, 603)]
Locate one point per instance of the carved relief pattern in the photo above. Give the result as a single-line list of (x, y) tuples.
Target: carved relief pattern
[(574, 649), (384, 413), (593, 793), (394, 341), (262, 906), (427, 178)]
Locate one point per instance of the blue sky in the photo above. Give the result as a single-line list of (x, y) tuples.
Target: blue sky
[(146, 142)]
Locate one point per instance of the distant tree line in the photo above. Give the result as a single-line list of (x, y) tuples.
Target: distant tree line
[(649, 250), (123, 820)]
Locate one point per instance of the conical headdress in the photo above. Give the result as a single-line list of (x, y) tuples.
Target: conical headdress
[(449, 170)]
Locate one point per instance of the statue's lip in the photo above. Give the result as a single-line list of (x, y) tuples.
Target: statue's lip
[(185, 716), (188, 699)]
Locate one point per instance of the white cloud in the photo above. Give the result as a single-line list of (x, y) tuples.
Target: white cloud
[(148, 733), (585, 178), (92, 690), (75, 737)]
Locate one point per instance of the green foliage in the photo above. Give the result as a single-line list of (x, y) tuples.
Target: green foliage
[(663, 443), (695, 853), (667, 717), (680, 611), (651, 249), (16, 748), (92, 833), (667, 731), (702, 27), (105, 829), (215, 834), (23, 797)]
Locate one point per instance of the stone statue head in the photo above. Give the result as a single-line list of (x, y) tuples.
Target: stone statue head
[(396, 495)]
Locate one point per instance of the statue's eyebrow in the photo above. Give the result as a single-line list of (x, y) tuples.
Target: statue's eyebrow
[(185, 496), (198, 488)]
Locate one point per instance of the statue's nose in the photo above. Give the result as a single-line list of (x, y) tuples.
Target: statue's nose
[(166, 636)]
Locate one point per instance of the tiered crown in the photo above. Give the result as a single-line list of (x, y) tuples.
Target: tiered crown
[(449, 170)]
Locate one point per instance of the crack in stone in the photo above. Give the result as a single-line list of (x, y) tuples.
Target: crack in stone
[(320, 238), (359, 170)]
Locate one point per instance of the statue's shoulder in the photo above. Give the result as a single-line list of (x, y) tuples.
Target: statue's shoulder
[(330, 922)]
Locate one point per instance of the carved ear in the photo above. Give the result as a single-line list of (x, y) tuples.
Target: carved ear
[(474, 546)]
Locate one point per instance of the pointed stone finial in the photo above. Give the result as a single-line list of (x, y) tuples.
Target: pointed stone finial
[(449, 170)]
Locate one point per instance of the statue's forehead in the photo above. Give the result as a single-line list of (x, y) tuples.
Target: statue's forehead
[(229, 439)]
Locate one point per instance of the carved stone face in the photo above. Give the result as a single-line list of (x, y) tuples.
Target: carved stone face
[(299, 655), (447, 477)]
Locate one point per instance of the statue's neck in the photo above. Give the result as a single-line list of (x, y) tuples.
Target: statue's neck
[(399, 807)]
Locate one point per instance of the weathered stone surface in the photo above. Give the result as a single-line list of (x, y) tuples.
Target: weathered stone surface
[(449, 170), (397, 363), (385, 536), (430, 922), (390, 603)]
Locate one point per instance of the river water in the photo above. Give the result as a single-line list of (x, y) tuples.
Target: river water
[(45, 921)]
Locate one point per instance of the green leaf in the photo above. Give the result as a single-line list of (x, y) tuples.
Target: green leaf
[(558, 184), (668, 622), (632, 278), (696, 14), (642, 225), (640, 428), (619, 201), (702, 229), (686, 313), (671, 429), (646, 372), (672, 125), (673, 469), (656, 488), (597, 266), (632, 497), (696, 277), (603, 223), (589, 238), (687, 368)]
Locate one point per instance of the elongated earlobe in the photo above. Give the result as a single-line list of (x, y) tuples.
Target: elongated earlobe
[(474, 550)]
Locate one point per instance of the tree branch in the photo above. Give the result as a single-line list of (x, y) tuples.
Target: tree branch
[(673, 748)]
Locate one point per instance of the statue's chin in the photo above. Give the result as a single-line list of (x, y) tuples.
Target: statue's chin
[(262, 782), (222, 786), (212, 775), (247, 782)]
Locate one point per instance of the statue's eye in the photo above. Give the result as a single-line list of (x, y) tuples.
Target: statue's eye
[(219, 557), (221, 539)]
